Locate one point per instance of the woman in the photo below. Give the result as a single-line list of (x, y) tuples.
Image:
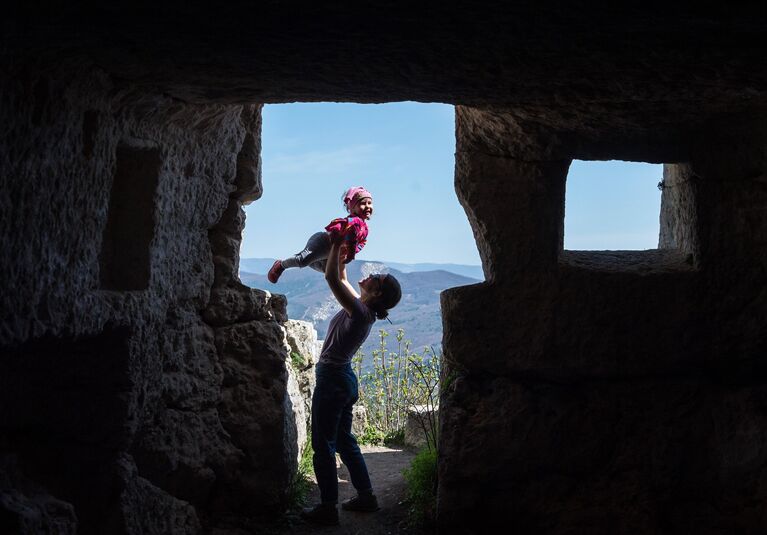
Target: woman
[(337, 389)]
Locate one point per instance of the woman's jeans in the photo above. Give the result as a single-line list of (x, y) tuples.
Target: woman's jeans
[(334, 395)]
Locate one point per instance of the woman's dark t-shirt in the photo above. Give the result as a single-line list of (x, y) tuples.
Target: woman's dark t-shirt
[(346, 333)]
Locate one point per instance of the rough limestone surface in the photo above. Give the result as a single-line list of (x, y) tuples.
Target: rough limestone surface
[(304, 350), (301, 419), (256, 411), (302, 338), (579, 66), (28, 509), (123, 209), (608, 391), (421, 424), (593, 392), (40, 513), (145, 508), (359, 419)]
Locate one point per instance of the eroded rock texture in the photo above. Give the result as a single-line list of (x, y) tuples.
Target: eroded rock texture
[(304, 354), (144, 389), (608, 392)]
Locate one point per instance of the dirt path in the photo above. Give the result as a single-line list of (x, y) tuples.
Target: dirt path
[(385, 466)]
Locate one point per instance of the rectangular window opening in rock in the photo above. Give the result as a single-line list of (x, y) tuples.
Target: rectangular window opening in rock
[(676, 248), (612, 206), (130, 227)]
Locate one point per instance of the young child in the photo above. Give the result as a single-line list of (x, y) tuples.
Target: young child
[(359, 205)]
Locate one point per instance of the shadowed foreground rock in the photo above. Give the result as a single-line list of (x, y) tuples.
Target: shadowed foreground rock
[(144, 389)]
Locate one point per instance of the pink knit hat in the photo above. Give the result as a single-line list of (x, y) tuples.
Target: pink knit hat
[(353, 195)]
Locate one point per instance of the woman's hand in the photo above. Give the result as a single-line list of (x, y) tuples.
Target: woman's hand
[(334, 237)]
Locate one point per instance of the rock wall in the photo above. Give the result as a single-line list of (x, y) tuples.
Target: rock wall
[(143, 389), (617, 391), (304, 354), (573, 65)]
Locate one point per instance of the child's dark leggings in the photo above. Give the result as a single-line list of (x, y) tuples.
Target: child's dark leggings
[(314, 255)]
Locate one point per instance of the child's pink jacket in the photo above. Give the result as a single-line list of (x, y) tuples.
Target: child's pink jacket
[(354, 231)]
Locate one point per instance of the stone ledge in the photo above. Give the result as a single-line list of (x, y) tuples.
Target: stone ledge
[(649, 262), (238, 303)]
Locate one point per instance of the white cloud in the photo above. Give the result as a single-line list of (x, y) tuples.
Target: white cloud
[(333, 161)]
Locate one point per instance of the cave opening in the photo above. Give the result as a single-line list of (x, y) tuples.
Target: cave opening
[(403, 153)]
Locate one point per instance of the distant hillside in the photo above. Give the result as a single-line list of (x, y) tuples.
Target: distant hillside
[(261, 266), (309, 298), (472, 272)]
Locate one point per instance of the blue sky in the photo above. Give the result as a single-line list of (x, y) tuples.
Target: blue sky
[(404, 154), (612, 205)]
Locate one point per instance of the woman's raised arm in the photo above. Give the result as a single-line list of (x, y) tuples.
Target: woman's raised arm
[(342, 290)]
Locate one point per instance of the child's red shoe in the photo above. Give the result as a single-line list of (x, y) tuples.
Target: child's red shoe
[(275, 272)]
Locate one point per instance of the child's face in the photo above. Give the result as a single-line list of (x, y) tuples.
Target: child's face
[(364, 208)]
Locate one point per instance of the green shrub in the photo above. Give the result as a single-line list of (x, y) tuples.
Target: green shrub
[(395, 438), (421, 478), (397, 380), (302, 481), (372, 436)]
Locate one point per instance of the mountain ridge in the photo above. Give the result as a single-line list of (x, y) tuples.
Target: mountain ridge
[(418, 313), (261, 266)]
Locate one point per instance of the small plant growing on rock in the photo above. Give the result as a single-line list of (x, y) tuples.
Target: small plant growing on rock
[(298, 361), (421, 479), (302, 480)]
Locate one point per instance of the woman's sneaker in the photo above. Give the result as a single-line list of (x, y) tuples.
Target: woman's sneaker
[(366, 503), (321, 514), (275, 272)]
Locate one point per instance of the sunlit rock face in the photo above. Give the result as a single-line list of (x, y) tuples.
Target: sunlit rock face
[(304, 354), (144, 389)]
